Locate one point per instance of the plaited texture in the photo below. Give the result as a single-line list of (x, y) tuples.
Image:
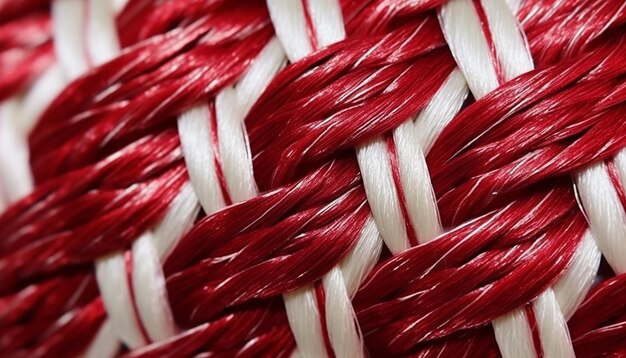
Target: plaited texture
[(336, 178)]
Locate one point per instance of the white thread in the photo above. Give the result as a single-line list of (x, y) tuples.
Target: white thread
[(514, 5), (340, 317), (462, 29), (258, 76), (381, 194), (177, 220), (194, 129), (508, 39), (17, 117), (3, 201), (573, 286), (84, 34), (118, 5), (410, 138), (555, 339), (14, 169), (620, 165), (150, 291), (231, 107), (341, 283), (605, 214), (327, 20), (362, 258), (513, 334), (149, 251), (302, 312), (235, 156), (114, 288), (464, 34), (105, 344), (68, 30), (303, 316), (148, 281), (97, 45), (39, 96), (441, 109), (420, 203), (101, 35), (290, 26)]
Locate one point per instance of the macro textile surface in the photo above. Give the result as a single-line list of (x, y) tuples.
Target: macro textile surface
[(312, 178)]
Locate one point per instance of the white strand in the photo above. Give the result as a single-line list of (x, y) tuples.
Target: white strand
[(577, 280), (260, 74), (3, 201), (115, 291), (84, 34), (360, 261), (17, 117), (620, 165), (510, 44), (464, 34), (382, 195), (39, 96), (413, 141), (514, 5), (605, 213), (194, 129), (463, 31), (340, 317), (105, 344), (68, 29), (327, 20), (340, 285), (14, 169), (304, 321), (149, 251), (441, 109), (304, 318), (290, 26), (150, 291), (235, 156), (101, 35), (555, 338), (148, 280), (118, 5), (231, 107), (150, 294), (513, 334), (421, 204), (177, 221)]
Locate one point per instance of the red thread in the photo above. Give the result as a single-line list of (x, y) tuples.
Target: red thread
[(484, 24), (615, 180), (529, 311), (217, 159), (395, 171), (320, 296), (128, 259), (309, 25)]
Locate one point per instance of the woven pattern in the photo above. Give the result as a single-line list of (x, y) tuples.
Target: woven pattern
[(314, 178)]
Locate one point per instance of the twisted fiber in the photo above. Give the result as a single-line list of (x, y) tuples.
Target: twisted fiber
[(109, 168)]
